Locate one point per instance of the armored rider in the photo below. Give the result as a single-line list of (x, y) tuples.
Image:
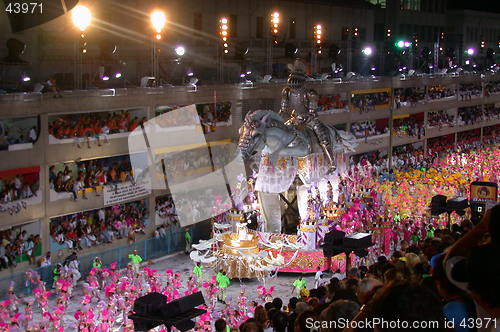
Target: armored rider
[(299, 105)]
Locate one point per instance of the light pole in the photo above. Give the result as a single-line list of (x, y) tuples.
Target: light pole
[(223, 48), (158, 21), (275, 23), (81, 18), (367, 52), (316, 47)]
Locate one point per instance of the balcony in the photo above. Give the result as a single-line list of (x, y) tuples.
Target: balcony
[(372, 143)]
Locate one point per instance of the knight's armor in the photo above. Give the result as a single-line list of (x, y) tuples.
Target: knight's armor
[(298, 107)]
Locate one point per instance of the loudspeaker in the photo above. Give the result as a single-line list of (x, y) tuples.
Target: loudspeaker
[(184, 304), (457, 204), (150, 304), (438, 205), (152, 310), (333, 243)]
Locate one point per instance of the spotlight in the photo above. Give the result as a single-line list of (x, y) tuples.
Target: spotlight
[(26, 78), (180, 50), (471, 51), (118, 75), (367, 51), (249, 72), (242, 75), (190, 74), (105, 78), (372, 68)]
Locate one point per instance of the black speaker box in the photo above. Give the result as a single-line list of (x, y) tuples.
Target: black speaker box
[(150, 304)]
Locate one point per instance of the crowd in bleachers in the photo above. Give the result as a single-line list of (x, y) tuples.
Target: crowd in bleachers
[(408, 156), (408, 127), (366, 129), (412, 96), (211, 114), (90, 174), (14, 134), (176, 119), (95, 227), (469, 115), (83, 127), (18, 187), (197, 160), (491, 135), (368, 101), (439, 92), (440, 119), (165, 209), (328, 103), (491, 88), (14, 243), (469, 90)]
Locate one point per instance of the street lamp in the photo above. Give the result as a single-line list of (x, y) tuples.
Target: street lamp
[(158, 21), (222, 49), (471, 51), (316, 46), (81, 18), (275, 24), (224, 33)]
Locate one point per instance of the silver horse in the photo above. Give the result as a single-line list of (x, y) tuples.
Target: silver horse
[(264, 131)]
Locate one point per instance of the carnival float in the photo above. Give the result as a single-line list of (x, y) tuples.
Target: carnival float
[(297, 157)]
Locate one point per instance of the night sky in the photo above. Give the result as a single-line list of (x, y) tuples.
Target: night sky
[(481, 5)]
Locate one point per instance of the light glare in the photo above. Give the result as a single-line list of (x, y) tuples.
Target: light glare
[(180, 50), (81, 17), (367, 51), (158, 20)]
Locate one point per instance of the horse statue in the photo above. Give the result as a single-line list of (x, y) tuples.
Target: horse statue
[(264, 131)]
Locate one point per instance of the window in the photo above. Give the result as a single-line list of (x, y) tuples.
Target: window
[(233, 25), (259, 31), (198, 21), (293, 29), (410, 5)]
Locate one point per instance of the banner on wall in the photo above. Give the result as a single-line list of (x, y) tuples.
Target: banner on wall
[(122, 192)]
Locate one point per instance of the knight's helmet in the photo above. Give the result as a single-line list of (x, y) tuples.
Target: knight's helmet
[(297, 77)]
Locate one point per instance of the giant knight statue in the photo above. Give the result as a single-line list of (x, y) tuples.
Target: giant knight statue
[(299, 106)]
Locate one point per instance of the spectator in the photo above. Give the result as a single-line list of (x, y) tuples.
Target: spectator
[(338, 310), (95, 227), (279, 322), (220, 325)]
